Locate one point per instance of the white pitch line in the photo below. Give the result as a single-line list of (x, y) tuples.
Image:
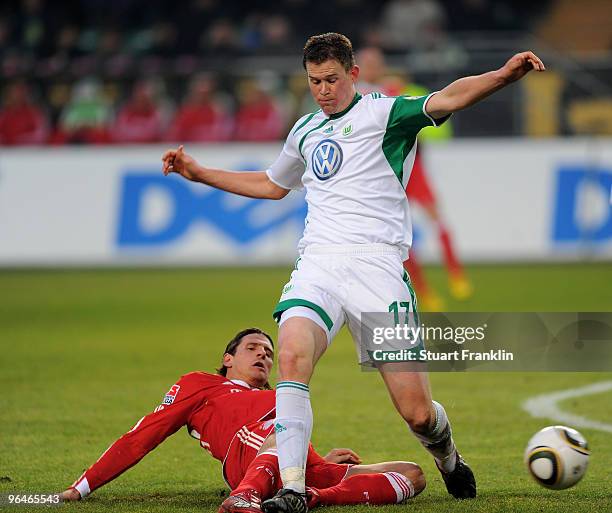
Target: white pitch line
[(545, 406)]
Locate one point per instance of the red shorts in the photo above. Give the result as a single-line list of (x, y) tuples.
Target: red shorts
[(246, 444), (418, 188), (243, 449)]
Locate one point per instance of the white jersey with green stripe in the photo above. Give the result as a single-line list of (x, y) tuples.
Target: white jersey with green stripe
[(355, 166)]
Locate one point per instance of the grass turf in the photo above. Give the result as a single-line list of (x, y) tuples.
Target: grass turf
[(87, 353)]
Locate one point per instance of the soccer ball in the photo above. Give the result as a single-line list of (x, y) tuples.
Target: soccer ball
[(557, 457)]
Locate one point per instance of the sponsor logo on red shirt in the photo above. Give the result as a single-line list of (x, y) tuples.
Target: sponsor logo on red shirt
[(171, 395)]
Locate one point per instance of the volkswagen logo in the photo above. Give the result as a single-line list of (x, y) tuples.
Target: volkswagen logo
[(326, 159)]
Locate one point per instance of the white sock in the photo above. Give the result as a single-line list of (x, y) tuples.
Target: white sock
[(439, 440), (293, 428)]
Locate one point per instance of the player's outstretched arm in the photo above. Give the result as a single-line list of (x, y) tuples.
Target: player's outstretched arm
[(127, 451), (470, 90), (255, 184)]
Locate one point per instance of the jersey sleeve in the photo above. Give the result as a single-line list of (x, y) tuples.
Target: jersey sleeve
[(408, 114), (288, 168), (146, 435)]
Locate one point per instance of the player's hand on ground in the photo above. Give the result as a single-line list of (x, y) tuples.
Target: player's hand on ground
[(71, 494), (343, 456), (177, 161), (521, 64)]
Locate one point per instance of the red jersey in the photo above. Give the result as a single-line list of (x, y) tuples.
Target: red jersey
[(212, 407)]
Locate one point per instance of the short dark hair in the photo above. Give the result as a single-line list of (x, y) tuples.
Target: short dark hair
[(233, 344), (331, 45)]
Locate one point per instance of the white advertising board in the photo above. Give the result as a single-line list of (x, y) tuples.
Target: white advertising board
[(501, 199)]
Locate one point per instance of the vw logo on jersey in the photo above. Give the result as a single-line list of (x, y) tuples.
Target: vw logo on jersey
[(326, 159)]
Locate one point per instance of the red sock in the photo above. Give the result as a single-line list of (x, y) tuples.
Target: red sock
[(261, 475), (451, 260), (386, 488)]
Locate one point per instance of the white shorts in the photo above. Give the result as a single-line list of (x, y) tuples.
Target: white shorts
[(338, 283)]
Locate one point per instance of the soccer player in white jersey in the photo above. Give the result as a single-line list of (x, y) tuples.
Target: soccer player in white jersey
[(353, 157)]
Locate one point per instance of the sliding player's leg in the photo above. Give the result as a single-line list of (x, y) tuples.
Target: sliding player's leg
[(381, 483), (327, 483), (260, 476), (427, 419), (261, 481)]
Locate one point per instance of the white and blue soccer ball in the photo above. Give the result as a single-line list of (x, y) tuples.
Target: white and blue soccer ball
[(557, 457)]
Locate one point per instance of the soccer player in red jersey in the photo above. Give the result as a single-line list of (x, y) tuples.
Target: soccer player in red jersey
[(232, 414)]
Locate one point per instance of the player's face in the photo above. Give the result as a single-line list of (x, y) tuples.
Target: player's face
[(253, 360), (332, 87)]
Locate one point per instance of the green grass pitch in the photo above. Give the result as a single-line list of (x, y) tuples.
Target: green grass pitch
[(86, 353)]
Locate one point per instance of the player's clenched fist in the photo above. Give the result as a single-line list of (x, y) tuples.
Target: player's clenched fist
[(177, 161), (521, 64)]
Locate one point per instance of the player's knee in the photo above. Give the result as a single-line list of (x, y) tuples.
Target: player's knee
[(416, 476), (418, 418)]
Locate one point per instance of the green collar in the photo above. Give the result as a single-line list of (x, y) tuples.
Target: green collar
[(337, 115)]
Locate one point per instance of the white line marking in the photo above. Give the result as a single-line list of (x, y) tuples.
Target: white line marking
[(545, 406)]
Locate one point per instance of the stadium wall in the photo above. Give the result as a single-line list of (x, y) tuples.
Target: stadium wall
[(504, 200)]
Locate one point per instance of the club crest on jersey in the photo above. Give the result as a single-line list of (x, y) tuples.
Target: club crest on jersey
[(171, 395), (326, 159)]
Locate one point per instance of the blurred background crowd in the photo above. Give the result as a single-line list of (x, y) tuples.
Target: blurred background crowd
[(135, 71)]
